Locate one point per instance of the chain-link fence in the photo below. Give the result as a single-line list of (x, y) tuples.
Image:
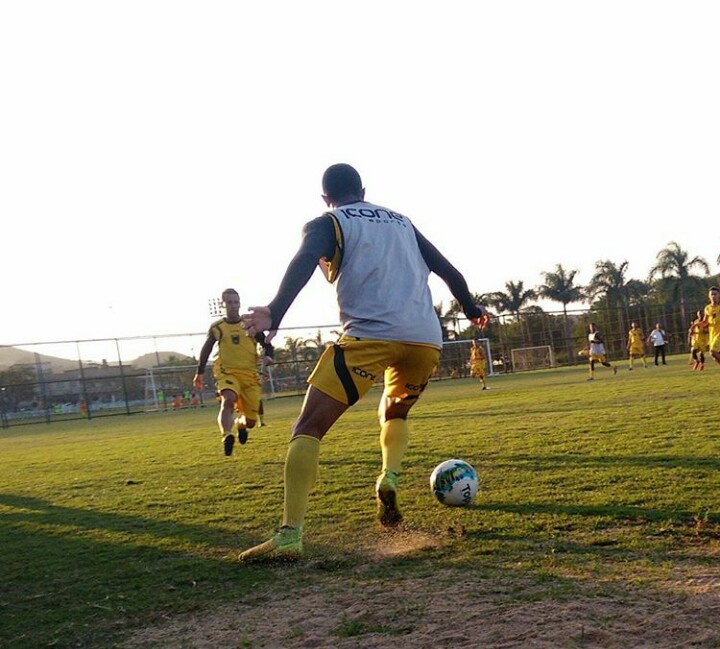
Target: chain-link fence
[(92, 378)]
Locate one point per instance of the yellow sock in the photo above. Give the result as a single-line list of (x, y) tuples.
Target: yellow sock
[(394, 442), (301, 469), (632, 362)]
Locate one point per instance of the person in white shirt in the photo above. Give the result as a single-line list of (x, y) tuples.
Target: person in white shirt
[(659, 339)]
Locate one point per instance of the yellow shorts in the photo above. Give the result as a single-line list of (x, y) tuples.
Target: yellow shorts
[(245, 385), (715, 343), (598, 358), (637, 350), (477, 370), (348, 369)]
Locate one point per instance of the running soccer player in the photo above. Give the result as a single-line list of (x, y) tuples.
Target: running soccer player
[(235, 371), (379, 264), (478, 363), (712, 317), (635, 345), (698, 337), (596, 351)]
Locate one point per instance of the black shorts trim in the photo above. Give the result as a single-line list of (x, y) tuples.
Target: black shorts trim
[(341, 369)]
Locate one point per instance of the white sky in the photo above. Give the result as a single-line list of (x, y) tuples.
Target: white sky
[(153, 153)]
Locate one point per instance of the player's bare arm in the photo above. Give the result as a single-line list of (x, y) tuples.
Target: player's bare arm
[(204, 355)]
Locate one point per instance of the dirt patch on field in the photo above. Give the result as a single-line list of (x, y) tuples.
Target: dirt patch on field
[(451, 609)]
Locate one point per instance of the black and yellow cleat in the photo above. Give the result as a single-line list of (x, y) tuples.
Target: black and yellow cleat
[(386, 491), (228, 444)]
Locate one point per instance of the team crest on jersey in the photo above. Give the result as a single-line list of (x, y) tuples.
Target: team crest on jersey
[(235, 339)]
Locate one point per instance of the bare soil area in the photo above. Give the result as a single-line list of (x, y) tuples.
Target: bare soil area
[(452, 609)]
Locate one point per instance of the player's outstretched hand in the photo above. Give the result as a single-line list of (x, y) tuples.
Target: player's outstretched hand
[(198, 381), (482, 320), (256, 320)]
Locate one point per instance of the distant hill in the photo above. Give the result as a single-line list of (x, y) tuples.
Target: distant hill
[(10, 356), (147, 361)]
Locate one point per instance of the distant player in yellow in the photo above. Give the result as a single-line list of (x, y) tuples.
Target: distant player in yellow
[(478, 363), (712, 317), (235, 371), (698, 338), (635, 345), (596, 351)]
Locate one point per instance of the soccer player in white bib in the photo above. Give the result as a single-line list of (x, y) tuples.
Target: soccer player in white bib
[(379, 263), (596, 351)]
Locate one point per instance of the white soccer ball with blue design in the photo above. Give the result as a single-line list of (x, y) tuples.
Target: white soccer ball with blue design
[(454, 482)]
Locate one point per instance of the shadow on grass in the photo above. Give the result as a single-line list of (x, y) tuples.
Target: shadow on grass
[(77, 577)]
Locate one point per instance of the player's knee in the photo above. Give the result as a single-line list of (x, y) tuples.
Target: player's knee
[(394, 410), (250, 423)]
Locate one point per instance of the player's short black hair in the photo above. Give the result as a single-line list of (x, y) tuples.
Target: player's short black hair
[(340, 180), (713, 288), (229, 290)]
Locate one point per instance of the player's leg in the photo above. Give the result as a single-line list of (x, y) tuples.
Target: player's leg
[(226, 416), (405, 380), (249, 401), (333, 388), (607, 364), (261, 414), (319, 412), (592, 369), (631, 360), (481, 378), (715, 348)]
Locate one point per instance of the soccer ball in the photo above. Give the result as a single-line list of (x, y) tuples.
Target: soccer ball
[(454, 483), (583, 353)]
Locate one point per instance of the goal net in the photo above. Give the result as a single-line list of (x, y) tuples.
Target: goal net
[(455, 359), (532, 358)]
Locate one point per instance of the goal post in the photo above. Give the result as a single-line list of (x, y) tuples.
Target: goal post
[(455, 358), (532, 358)]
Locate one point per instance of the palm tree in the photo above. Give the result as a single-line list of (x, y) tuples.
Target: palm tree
[(294, 346), (609, 282), (512, 301), (560, 287), (446, 331), (313, 347), (674, 263)]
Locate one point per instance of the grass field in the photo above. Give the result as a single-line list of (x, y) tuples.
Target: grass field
[(124, 531)]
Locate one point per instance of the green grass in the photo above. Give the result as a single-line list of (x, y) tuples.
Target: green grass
[(110, 524)]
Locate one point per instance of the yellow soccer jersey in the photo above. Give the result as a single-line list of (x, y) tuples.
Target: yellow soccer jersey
[(712, 315), (699, 336), (635, 337), (236, 350), (476, 354)]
